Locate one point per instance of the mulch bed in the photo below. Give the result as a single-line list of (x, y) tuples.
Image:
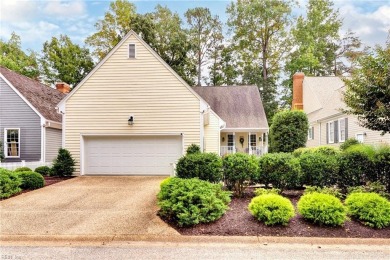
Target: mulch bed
[(48, 181), (237, 221)]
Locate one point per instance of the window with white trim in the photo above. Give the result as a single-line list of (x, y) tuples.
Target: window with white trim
[(253, 141), (230, 141), (12, 142), (342, 129), (310, 133), (331, 132), (132, 50), (360, 138)]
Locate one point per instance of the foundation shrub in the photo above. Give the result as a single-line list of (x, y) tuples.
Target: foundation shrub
[(371, 209), (281, 170), (193, 148), (63, 164), (23, 169), (205, 166), (9, 183), (43, 170), (322, 209), (189, 202), (319, 169), (31, 180), (348, 143), (239, 170), (272, 209)]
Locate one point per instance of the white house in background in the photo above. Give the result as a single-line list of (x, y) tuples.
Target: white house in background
[(133, 115), (321, 99)]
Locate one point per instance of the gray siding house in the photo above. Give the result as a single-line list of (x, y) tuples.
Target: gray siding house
[(30, 127)]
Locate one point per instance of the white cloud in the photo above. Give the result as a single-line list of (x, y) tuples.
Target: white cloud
[(16, 11), (65, 9)]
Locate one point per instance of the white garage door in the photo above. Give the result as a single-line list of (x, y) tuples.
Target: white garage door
[(131, 155)]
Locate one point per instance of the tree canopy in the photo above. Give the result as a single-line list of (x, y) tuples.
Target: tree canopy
[(368, 90)]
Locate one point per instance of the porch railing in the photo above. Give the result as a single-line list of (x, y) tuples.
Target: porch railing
[(256, 150)]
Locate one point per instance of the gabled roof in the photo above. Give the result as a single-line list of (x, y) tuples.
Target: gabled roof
[(327, 91), (239, 106), (41, 97)]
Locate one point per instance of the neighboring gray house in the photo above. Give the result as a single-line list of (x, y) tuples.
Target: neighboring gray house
[(30, 127), (321, 99)]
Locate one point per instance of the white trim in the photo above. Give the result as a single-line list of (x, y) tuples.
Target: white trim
[(201, 131), (356, 136), (21, 96), (329, 141), (339, 129), (124, 39), (310, 133), (43, 143), (6, 143), (135, 50)]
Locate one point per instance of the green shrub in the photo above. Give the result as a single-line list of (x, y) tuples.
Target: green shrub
[(322, 209), (326, 150), (193, 148), (356, 166), (302, 150), (262, 191), (205, 166), (22, 169), (1, 151), (272, 209), (325, 190), (319, 169), (239, 169), (31, 180), (375, 187), (282, 170), (43, 170), (370, 208), (288, 131), (382, 165), (9, 183), (63, 164), (348, 143), (192, 201)]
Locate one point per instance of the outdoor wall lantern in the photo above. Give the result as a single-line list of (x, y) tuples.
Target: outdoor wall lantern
[(223, 139), (131, 120), (260, 138)]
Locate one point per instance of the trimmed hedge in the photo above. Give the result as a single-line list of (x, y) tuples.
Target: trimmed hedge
[(31, 180), (43, 170), (205, 166), (382, 165), (9, 183), (370, 208), (22, 169), (239, 169), (319, 169), (189, 202), (282, 170), (322, 209), (272, 209)]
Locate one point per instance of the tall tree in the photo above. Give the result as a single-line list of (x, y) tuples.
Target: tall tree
[(117, 22), (368, 91), (205, 33), (65, 61), (14, 58), (172, 43), (259, 29)]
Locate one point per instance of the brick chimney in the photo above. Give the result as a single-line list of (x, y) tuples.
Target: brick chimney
[(63, 87), (297, 102)]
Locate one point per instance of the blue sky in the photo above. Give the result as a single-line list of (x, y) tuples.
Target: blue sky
[(36, 21)]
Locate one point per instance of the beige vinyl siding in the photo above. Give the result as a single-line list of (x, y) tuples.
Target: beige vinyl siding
[(212, 134), (142, 87), (53, 142)]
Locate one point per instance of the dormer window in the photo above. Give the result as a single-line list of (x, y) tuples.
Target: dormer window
[(131, 50)]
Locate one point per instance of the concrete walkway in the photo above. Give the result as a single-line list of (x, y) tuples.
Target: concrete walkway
[(86, 207)]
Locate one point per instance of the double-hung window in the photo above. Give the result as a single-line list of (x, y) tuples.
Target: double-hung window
[(230, 141), (132, 53), (12, 142), (342, 129), (253, 141), (331, 126), (310, 133)]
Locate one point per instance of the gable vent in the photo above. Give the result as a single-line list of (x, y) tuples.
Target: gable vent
[(131, 50)]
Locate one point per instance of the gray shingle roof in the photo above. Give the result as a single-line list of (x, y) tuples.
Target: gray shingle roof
[(238, 106), (43, 98)]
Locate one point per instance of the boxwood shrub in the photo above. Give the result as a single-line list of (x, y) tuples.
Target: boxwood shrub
[(382, 165), (322, 209), (370, 208), (348, 143), (31, 180), (205, 166), (262, 191), (239, 170), (319, 169), (9, 183), (22, 169), (43, 170), (272, 209), (189, 202), (282, 170), (356, 166)]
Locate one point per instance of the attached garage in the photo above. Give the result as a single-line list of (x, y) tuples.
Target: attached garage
[(131, 155)]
